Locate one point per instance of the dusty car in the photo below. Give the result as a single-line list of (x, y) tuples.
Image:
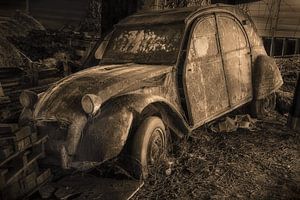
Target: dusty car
[(160, 73)]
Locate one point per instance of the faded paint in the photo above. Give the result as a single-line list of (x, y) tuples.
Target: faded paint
[(215, 81), (204, 75), (63, 100), (236, 59), (267, 77)]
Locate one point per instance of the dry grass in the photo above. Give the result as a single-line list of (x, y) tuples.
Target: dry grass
[(289, 68), (263, 164)]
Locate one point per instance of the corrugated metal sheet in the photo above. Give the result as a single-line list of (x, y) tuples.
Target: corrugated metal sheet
[(264, 15)]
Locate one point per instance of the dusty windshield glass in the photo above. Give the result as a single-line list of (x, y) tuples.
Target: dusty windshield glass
[(157, 44)]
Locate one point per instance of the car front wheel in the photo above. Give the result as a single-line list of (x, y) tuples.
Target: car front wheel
[(149, 145), (262, 108)]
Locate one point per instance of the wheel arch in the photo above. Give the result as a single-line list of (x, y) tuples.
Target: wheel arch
[(266, 77), (118, 120), (171, 118)]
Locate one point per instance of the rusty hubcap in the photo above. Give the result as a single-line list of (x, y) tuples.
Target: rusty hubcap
[(268, 104), (156, 148)]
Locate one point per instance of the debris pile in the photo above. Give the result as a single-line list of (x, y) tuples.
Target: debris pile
[(33, 58), (14, 80), (20, 148), (233, 124), (261, 164), (289, 67)]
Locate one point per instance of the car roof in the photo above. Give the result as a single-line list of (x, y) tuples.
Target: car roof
[(174, 15)]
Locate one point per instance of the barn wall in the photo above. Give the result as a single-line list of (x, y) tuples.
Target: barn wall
[(55, 14), (264, 16), (8, 7)]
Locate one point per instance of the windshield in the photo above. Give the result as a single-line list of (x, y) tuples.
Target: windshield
[(157, 44)]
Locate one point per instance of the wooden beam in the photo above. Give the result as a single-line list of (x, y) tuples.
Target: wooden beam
[(297, 45), (272, 48), (284, 47)]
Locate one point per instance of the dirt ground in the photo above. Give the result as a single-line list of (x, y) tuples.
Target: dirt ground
[(260, 164)]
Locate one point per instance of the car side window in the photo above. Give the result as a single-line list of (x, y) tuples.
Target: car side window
[(231, 36), (203, 41)]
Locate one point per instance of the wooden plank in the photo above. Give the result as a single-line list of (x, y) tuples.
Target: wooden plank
[(297, 46), (15, 173), (22, 133), (1, 91), (42, 177), (42, 139), (4, 100), (6, 151), (8, 128)]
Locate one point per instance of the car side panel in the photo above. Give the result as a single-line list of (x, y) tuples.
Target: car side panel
[(236, 58), (206, 91), (266, 77)]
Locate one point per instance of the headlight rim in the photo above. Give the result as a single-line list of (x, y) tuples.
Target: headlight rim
[(91, 104), (28, 99)]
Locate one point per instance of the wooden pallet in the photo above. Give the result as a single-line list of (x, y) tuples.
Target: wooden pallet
[(20, 150)]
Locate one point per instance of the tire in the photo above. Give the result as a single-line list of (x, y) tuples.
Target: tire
[(149, 145), (262, 108)]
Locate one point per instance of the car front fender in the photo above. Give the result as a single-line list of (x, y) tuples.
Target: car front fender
[(266, 77), (106, 134)]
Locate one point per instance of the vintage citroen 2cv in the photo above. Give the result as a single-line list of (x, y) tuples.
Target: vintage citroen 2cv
[(160, 73)]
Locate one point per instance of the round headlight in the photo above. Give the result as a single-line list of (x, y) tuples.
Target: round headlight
[(28, 99), (91, 103)]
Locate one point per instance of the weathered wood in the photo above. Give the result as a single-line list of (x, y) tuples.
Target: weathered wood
[(22, 133), (294, 115), (8, 128)]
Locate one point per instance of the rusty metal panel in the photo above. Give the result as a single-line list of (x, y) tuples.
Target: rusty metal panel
[(238, 75), (236, 58), (204, 76), (64, 98), (266, 77)]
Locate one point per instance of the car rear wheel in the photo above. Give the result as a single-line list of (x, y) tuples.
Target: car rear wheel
[(149, 145), (262, 108)]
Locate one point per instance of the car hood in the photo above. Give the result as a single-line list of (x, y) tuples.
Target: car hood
[(63, 99)]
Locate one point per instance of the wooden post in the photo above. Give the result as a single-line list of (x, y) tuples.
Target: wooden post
[(284, 47), (27, 6), (294, 115), (297, 45), (272, 48), (274, 28)]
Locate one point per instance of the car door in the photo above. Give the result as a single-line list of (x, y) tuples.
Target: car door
[(236, 58), (204, 77)]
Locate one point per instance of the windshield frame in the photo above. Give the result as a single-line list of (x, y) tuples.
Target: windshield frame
[(114, 60)]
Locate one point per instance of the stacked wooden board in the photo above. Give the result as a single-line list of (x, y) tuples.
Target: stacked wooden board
[(14, 80), (20, 149)]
